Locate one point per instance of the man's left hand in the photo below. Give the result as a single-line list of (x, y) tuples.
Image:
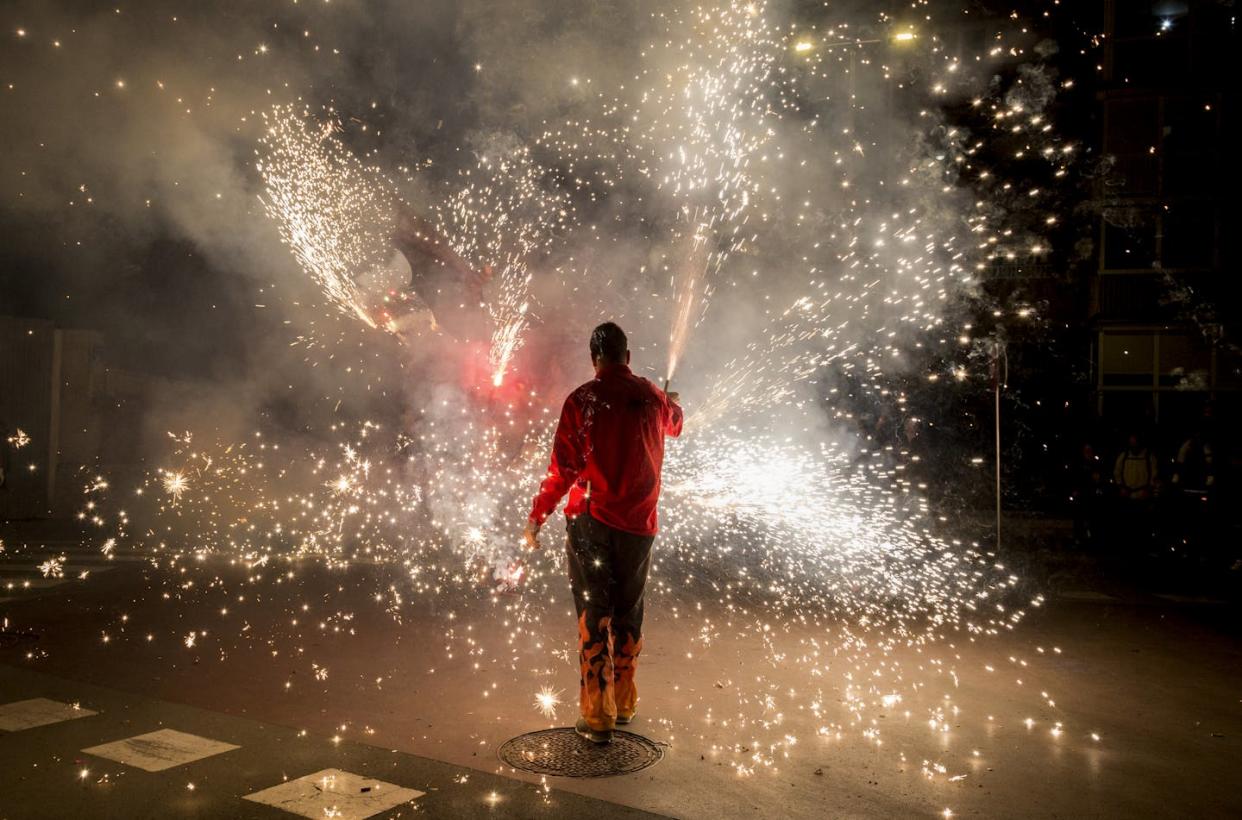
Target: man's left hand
[(531, 536)]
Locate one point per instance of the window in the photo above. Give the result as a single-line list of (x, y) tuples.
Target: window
[(1132, 130), (1185, 361), (1133, 126), (1155, 61), (1229, 369), (1188, 126), (1129, 241), (1127, 360), (1189, 147), (1189, 239)]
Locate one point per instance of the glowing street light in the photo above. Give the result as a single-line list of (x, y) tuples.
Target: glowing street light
[(897, 38)]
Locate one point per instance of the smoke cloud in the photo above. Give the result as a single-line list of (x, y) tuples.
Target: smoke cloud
[(131, 140)]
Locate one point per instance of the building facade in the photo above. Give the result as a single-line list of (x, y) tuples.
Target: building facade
[(1163, 279)]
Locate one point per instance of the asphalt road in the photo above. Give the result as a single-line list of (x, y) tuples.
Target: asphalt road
[(1101, 704)]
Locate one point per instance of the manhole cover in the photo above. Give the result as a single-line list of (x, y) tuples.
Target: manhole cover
[(562, 753)]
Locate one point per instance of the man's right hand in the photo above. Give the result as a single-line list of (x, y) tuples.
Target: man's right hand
[(531, 536), (674, 397)]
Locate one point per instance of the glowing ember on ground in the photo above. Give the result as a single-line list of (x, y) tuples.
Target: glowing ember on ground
[(175, 484), (546, 701)]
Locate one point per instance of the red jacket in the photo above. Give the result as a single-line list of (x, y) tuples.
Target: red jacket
[(610, 439)]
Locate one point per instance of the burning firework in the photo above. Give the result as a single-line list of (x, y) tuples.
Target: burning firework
[(340, 217)]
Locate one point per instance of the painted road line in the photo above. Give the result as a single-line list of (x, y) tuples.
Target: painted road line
[(156, 751), (335, 793), (27, 714)]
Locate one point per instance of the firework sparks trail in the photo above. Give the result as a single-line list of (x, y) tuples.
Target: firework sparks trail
[(838, 544), (695, 137), (689, 283), (806, 537), (502, 216), (778, 533), (333, 213), (337, 216), (883, 258), (725, 102)]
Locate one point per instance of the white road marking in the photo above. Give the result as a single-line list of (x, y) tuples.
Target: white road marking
[(336, 794), (156, 751), (27, 714)]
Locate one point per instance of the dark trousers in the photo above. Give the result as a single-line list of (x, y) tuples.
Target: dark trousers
[(608, 573)]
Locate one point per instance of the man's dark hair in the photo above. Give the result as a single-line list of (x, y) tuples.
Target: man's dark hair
[(608, 342)]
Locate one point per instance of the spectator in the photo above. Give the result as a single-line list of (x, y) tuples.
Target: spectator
[(1087, 496), (1134, 472), (1196, 487), (1135, 476), (1194, 472)]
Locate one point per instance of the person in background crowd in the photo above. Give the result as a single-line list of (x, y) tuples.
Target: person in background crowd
[(1088, 494), (1135, 471), (1135, 474), (1195, 470), (1196, 486)]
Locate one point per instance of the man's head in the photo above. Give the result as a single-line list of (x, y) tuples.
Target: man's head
[(609, 345)]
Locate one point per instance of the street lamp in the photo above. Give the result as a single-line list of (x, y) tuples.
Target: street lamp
[(898, 37)]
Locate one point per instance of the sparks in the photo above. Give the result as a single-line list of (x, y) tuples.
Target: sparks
[(546, 701)]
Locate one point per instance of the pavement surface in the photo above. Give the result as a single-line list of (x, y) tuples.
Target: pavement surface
[(64, 768), (1104, 703)]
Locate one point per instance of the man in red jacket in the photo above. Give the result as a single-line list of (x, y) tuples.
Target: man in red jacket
[(607, 454)]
